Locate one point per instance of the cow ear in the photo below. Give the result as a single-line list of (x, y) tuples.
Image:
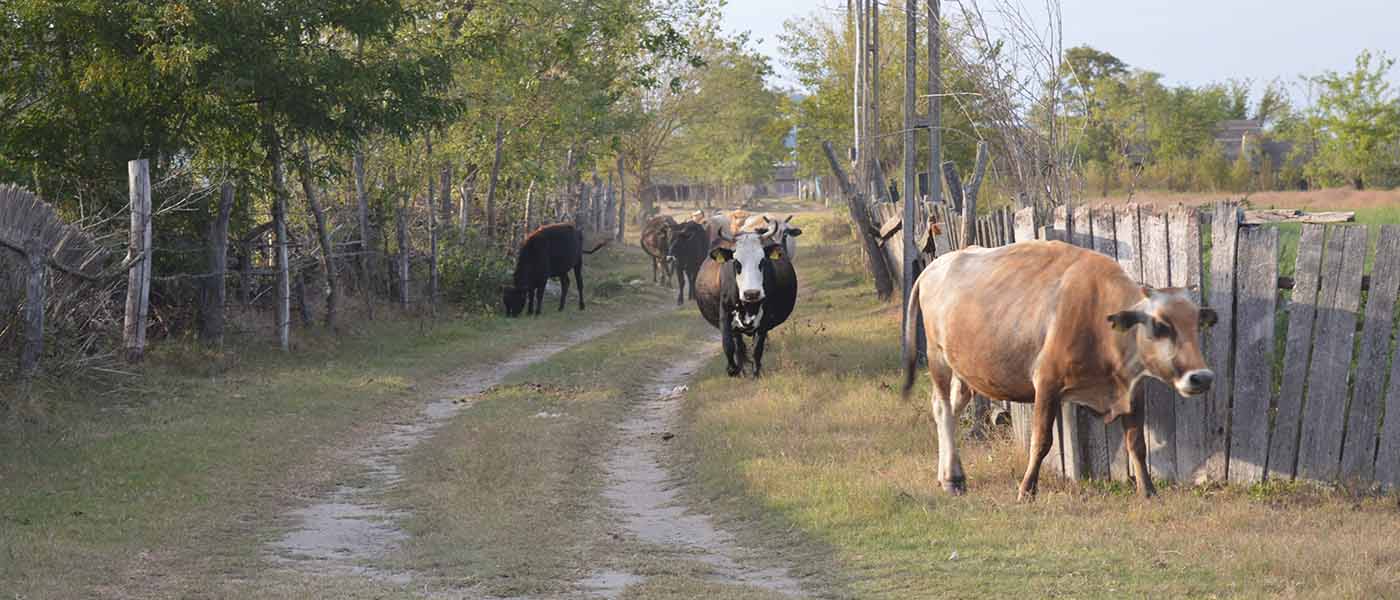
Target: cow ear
[(1123, 321), (794, 231), (761, 231), (1208, 317)]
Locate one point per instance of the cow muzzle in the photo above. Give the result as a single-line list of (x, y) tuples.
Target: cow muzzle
[(752, 295), (1195, 383)]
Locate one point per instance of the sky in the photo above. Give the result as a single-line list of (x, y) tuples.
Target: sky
[(1188, 41)]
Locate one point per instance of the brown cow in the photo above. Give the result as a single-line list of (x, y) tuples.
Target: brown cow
[(656, 242), (1045, 323)]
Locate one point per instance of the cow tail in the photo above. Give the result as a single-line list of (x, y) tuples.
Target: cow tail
[(598, 247), (911, 338)]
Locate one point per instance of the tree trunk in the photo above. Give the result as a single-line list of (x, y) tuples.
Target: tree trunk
[(468, 195), (446, 201), (366, 245), (323, 236), (279, 219), (621, 200), (491, 187), (33, 349), (647, 194), (213, 321), (138, 280), (855, 204), (403, 255), (432, 229)]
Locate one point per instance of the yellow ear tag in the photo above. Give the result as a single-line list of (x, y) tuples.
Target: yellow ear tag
[(775, 254), (719, 257)]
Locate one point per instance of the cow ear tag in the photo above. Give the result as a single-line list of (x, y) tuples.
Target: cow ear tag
[(718, 256), (775, 254)]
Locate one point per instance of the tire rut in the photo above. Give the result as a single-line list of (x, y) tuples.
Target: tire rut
[(646, 496), (345, 532)]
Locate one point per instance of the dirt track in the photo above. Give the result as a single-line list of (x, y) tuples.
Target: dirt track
[(346, 534)]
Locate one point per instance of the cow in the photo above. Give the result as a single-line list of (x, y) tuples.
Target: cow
[(689, 244), (746, 287), (1045, 323), (782, 231), (550, 251), (655, 242)]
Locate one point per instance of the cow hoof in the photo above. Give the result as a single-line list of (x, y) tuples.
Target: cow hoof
[(733, 371), (955, 487), (1026, 496)]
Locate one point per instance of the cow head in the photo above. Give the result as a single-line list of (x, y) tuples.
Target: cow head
[(1168, 325), (514, 300), (680, 235), (747, 261)]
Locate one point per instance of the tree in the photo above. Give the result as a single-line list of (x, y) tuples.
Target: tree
[(1355, 120)]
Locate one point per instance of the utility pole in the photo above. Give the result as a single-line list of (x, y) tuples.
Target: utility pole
[(911, 200), (858, 105), (935, 103), (873, 132)]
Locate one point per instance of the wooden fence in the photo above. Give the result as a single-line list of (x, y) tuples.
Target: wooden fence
[(1306, 367)]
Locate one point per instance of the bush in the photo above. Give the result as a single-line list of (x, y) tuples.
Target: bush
[(473, 271)]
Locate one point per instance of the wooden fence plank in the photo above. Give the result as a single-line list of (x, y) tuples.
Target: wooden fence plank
[(1127, 222), (1358, 450), (1105, 242), (1220, 339), (1063, 456), (1324, 411), (1388, 448), (1257, 285), (1185, 226), (1302, 312), (1025, 228), (1092, 450), (1161, 399)]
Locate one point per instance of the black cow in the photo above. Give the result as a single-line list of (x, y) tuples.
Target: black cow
[(550, 251), (746, 287), (689, 241)]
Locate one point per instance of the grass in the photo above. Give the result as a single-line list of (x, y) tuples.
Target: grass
[(159, 487), (825, 447)]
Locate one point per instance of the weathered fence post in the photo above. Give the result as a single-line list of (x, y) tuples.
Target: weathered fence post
[(33, 349), (432, 252), (138, 280), (1025, 228), (1358, 453), (284, 276), (855, 202), (217, 286)]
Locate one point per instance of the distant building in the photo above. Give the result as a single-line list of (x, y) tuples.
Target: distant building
[(1236, 135), (784, 180)]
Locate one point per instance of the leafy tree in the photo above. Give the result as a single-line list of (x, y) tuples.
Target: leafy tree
[(1354, 124)]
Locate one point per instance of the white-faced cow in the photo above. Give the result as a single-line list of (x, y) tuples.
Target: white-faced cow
[(550, 251), (782, 231), (1045, 323), (746, 287)]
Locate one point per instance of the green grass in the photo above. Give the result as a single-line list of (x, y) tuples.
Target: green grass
[(824, 446)]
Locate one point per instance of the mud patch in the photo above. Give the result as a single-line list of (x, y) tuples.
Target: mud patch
[(647, 497), (347, 532)]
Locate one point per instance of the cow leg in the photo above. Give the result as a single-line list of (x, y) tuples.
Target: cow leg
[(563, 290), (1042, 423), (960, 395), (578, 278), (760, 340), (741, 352), (727, 335), (680, 288), (654, 268), (538, 301), (947, 422), (1137, 449)]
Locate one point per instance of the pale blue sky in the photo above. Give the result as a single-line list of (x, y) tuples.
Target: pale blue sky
[(1189, 41)]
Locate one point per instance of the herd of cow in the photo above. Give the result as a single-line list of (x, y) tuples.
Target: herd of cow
[(1038, 322)]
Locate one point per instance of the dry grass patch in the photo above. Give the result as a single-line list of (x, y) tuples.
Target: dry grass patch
[(824, 444)]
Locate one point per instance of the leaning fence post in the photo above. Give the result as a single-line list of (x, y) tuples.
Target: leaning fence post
[(33, 348), (138, 280), (218, 266)]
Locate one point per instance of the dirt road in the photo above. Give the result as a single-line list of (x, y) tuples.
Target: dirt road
[(348, 534)]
